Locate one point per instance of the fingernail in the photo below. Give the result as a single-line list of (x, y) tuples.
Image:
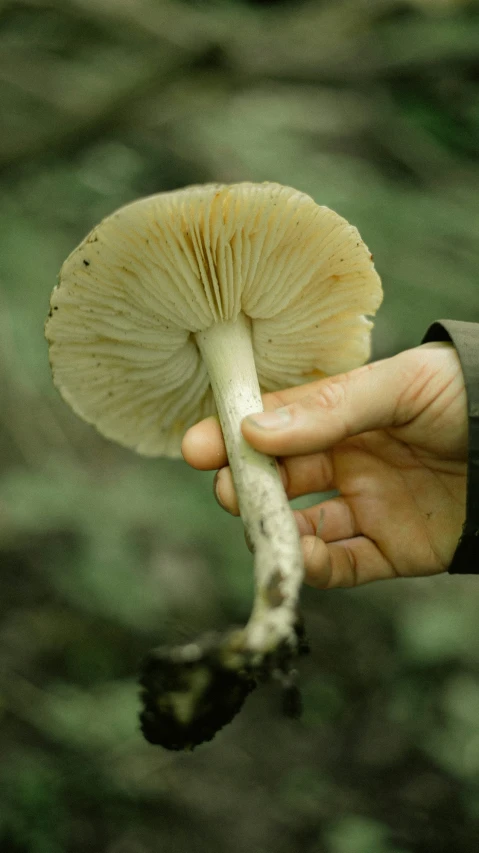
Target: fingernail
[(270, 420), (215, 490)]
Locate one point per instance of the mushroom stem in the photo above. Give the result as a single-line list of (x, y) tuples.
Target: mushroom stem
[(227, 350)]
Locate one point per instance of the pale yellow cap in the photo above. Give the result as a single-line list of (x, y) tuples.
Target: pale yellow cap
[(132, 295)]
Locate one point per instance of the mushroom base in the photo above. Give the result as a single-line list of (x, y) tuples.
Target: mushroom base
[(190, 692)]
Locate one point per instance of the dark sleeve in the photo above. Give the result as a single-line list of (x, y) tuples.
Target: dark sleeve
[(465, 337)]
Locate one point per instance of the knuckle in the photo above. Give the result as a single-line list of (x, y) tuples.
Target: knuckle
[(331, 394), (273, 400)]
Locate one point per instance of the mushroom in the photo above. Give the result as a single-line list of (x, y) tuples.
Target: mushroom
[(194, 301)]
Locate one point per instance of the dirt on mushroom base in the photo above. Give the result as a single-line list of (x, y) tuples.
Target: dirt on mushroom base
[(190, 692)]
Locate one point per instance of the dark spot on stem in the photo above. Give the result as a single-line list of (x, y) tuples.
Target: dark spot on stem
[(86, 263), (249, 541), (274, 595)]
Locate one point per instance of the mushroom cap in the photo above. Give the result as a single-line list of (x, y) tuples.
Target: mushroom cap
[(133, 294)]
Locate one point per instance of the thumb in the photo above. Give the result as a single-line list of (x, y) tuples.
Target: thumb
[(321, 414)]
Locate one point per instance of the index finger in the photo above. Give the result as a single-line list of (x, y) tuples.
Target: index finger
[(203, 446)]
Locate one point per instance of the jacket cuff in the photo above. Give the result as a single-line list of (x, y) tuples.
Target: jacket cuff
[(465, 338)]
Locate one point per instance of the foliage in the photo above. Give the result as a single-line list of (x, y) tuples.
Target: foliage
[(370, 106)]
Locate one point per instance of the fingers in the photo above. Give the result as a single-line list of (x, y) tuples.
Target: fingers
[(225, 492), (301, 475), (331, 520), (203, 446), (330, 411), (335, 553), (347, 563), (388, 393), (308, 418), (380, 395), (339, 556)]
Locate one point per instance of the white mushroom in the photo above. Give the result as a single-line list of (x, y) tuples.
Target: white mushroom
[(197, 300)]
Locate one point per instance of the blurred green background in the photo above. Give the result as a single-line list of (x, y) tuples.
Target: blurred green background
[(371, 107)]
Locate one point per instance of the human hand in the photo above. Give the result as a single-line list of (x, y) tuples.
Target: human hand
[(391, 438)]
